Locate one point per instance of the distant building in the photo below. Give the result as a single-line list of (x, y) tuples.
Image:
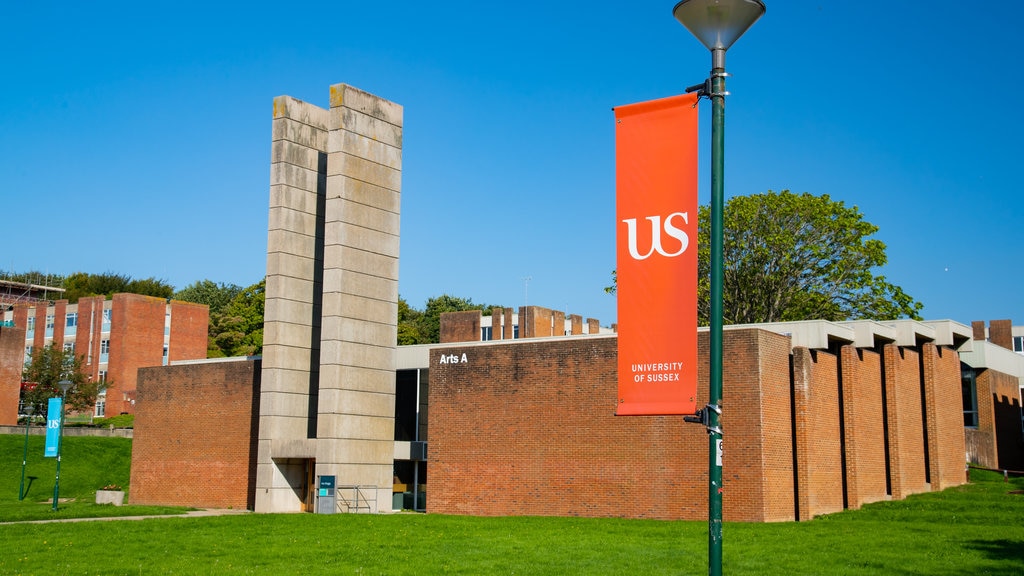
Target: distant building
[(113, 337)]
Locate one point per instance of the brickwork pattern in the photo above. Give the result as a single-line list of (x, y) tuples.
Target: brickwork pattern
[(907, 472), (863, 425), (563, 452), (195, 435), (818, 434), (1005, 398), (12, 351), (136, 341), (461, 326), (946, 444), (1000, 333), (189, 335)]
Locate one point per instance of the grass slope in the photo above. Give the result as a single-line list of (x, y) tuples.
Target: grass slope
[(973, 529), (87, 464)]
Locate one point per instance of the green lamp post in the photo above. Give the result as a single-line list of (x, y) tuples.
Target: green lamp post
[(29, 409), (64, 385), (717, 24)]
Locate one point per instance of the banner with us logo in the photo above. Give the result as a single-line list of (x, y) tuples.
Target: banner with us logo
[(53, 413), (656, 253)]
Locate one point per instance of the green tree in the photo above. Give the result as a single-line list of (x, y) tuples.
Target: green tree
[(424, 326), (797, 257), (408, 324), (216, 296), (49, 365), (237, 330), (82, 284)]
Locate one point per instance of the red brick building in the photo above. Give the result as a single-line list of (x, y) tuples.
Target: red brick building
[(818, 417), (114, 337)]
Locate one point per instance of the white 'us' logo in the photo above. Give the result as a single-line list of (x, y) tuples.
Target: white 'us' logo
[(656, 234)]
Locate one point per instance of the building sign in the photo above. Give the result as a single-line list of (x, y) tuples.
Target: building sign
[(52, 428), (656, 253)]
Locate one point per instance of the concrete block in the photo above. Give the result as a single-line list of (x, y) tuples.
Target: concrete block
[(280, 404), (340, 453), (356, 402), (291, 288), (356, 354), (364, 193), (285, 196), (299, 111), (298, 155), (341, 210), (365, 125), (356, 427), (366, 103), (282, 333), (362, 308), (299, 133), (341, 164), (365, 148), (288, 242), (357, 378), (284, 380), (298, 222), (291, 266)]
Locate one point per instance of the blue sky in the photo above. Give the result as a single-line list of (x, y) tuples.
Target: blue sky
[(135, 137)]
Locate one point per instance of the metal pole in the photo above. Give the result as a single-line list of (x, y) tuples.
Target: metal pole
[(715, 385), (24, 457), (60, 442)]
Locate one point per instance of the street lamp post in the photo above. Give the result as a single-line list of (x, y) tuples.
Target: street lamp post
[(717, 24), (64, 386), (29, 409)]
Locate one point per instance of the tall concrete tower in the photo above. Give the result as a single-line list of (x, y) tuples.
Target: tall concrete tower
[(327, 398)]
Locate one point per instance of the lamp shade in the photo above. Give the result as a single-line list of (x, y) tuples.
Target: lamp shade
[(718, 23), (65, 385)]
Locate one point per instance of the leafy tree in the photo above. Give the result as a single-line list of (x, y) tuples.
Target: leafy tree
[(48, 366), (237, 329), (424, 327), (797, 257), (82, 284), (216, 296)]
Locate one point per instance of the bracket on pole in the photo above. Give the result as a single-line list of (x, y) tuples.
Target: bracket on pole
[(703, 416)]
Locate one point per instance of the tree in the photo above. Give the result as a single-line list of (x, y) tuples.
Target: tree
[(48, 366), (216, 296), (797, 257), (82, 284), (237, 329), (424, 327)]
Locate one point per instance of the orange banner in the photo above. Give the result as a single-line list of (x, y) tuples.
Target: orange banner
[(656, 252)]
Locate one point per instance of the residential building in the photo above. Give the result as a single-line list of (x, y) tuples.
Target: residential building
[(114, 338)]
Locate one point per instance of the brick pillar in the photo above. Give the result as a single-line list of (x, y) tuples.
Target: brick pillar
[(1000, 333)]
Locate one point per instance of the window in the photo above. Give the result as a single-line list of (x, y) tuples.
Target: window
[(49, 325), (486, 333), (101, 405), (970, 396), (106, 319), (70, 323), (69, 347), (104, 350), (165, 354), (1018, 344), (167, 323), (30, 329), (28, 355), (103, 378)]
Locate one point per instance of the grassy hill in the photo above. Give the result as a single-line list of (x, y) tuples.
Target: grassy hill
[(87, 464)]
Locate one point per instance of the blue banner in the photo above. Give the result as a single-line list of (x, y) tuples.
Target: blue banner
[(52, 428)]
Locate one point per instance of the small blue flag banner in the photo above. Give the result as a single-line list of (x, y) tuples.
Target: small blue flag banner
[(52, 428)]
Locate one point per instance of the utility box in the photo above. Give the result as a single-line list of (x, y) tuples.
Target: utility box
[(325, 495)]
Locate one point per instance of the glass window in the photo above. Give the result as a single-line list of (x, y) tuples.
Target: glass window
[(70, 323), (104, 350), (101, 404), (106, 319), (485, 333), (968, 387), (69, 347), (49, 325), (1018, 344)]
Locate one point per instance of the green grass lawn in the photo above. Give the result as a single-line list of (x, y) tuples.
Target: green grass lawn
[(87, 464), (973, 529)]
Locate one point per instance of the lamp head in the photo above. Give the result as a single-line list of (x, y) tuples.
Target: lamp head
[(29, 409), (65, 385), (718, 23)]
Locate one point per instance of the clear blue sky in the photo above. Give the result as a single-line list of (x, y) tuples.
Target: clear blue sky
[(135, 137)]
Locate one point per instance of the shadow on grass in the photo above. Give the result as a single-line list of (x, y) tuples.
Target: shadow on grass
[(1008, 552)]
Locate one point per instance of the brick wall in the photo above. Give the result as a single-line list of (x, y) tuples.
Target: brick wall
[(136, 341), (1004, 393), (562, 451), (12, 353), (817, 431), (945, 424), (864, 431), (189, 331), (461, 326), (904, 404), (1000, 333), (195, 435)]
